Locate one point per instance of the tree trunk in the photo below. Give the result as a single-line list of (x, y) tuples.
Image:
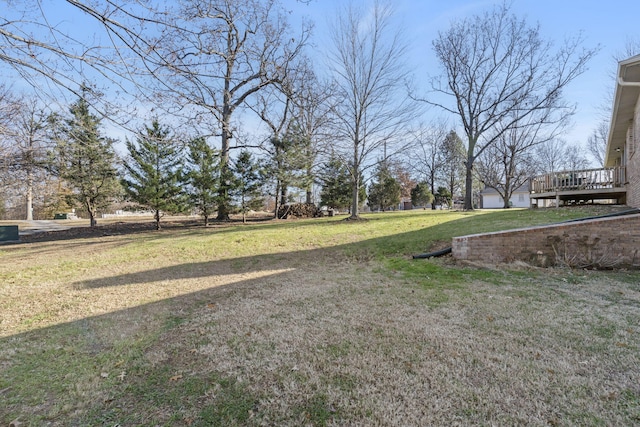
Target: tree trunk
[(468, 190), (355, 188), (223, 204), (29, 196), (276, 199), (507, 194), (354, 198), (92, 217), (156, 216), (433, 190), (244, 209), (283, 194)]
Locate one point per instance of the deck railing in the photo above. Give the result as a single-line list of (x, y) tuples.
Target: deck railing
[(586, 179)]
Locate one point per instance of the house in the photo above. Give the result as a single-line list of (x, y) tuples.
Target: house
[(491, 199), (610, 242), (619, 180), (623, 145)]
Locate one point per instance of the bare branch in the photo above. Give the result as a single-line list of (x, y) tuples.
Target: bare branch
[(501, 73)]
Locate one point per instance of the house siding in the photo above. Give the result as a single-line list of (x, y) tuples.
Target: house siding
[(608, 242), (495, 201), (633, 160)]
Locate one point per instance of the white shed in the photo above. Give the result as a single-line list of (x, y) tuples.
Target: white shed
[(490, 199)]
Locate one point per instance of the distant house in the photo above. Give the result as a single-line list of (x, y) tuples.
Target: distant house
[(623, 145), (491, 199)]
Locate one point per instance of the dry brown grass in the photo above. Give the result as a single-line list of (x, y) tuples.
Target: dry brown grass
[(194, 336)]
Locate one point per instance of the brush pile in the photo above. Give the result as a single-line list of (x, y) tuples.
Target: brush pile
[(298, 210)]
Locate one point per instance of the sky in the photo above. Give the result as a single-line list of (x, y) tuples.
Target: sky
[(607, 24)]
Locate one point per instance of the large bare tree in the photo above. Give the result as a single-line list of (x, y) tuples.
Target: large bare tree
[(31, 145), (196, 59), (499, 71), (49, 48), (367, 64), (551, 156), (312, 106), (507, 164), (220, 53)]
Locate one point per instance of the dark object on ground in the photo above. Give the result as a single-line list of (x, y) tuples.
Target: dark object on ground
[(433, 254), (129, 228), (9, 233)]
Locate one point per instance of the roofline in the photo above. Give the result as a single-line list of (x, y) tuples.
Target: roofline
[(620, 85)]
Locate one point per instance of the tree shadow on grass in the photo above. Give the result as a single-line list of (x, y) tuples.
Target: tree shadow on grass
[(43, 371)]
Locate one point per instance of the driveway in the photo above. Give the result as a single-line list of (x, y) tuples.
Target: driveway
[(26, 228)]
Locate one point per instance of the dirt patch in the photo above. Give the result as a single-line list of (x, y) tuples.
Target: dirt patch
[(129, 227)]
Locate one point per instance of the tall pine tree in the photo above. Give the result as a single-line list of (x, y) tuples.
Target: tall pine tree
[(336, 184), (385, 191), (247, 182), (87, 159), (153, 171), (202, 176)]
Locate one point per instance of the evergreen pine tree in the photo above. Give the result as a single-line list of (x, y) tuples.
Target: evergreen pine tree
[(336, 184), (443, 196), (202, 175), (153, 171), (385, 192), (86, 160), (421, 194), (247, 182)]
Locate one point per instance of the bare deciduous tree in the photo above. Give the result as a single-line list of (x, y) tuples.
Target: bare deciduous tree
[(500, 71), (575, 158), (30, 148), (56, 55), (208, 56), (597, 142), (369, 71), (507, 164), (220, 53), (427, 157), (556, 155), (312, 115), (550, 156)]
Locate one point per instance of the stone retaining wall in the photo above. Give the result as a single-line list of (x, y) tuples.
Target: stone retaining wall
[(598, 243)]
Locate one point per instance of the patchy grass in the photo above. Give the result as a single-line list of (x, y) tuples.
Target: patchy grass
[(319, 322)]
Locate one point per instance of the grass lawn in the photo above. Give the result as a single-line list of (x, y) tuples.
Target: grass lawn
[(312, 322)]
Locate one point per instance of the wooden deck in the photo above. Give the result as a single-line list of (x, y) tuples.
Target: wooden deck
[(581, 185)]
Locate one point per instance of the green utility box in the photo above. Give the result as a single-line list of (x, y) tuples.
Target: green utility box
[(9, 233)]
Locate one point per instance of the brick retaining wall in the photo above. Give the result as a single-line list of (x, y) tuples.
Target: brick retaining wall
[(602, 243)]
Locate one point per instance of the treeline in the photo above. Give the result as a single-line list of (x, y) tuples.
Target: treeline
[(59, 161), (349, 125)]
